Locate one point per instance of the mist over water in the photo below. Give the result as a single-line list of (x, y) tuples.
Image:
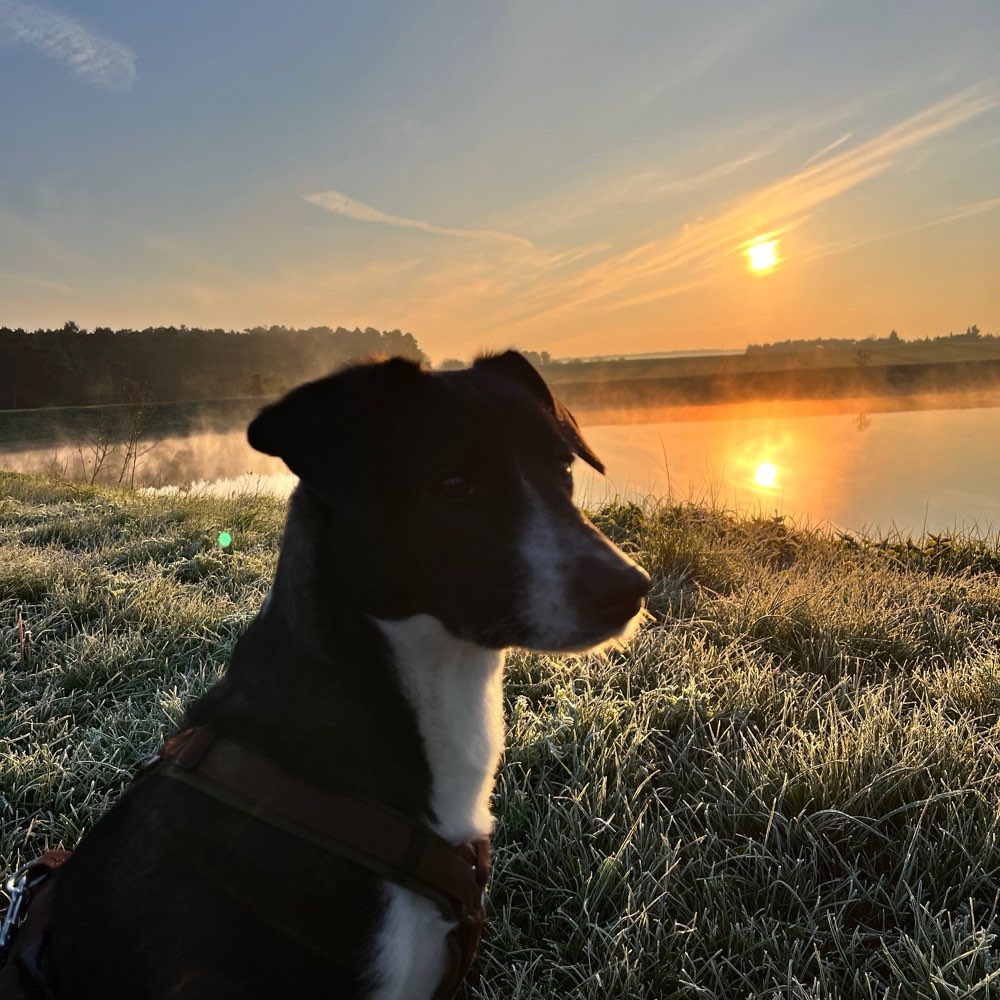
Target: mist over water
[(214, 462), (845, 463)]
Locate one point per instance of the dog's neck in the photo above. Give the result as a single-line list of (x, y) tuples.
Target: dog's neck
[(456, 690), (399, 711)]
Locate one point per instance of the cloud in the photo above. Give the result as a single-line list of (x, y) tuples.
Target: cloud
[(44, 284), (98, 60), (721, 40), (828, 149), (956, 215), (630, 191), (664, 266), (965, 212), (342, 204)]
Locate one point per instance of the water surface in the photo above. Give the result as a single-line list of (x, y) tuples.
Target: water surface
[(842, 463), (861, 465)]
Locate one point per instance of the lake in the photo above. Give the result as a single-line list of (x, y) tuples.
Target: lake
[(869, 465), (841, 463)]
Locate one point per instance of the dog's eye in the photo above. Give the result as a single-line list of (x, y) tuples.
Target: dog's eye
[(566, 469), (456, 487)]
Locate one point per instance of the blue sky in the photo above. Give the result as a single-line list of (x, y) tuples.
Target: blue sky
[(576, 177)]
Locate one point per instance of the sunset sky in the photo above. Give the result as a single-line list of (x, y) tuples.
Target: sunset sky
[(583, 178)]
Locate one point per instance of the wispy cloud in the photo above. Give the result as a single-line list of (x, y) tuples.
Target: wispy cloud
[(44, 284), (965, 212), (342, 204), (723, 40), (633, 190), (664, 266), (968, 211), (93, 57), (828, 149)]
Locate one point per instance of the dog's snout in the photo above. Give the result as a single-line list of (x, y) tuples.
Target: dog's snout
[(611, 595)]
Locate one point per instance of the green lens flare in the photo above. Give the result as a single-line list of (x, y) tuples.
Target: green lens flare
[(225, 539)]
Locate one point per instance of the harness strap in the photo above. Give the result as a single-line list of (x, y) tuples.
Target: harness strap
[(452, 876), (379, 839), (382, 840)]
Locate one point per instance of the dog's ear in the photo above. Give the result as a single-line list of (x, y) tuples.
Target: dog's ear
[(516, 367), (325, 431)]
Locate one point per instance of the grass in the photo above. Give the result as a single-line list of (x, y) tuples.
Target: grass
[(786, 786)]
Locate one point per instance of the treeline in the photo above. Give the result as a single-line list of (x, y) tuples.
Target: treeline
[(71, 366), (971, 334), (538, 358)]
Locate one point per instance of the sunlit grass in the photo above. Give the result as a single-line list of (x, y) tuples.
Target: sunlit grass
[(786, 786)]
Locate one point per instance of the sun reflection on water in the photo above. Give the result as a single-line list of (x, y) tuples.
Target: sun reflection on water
[(766, 475)]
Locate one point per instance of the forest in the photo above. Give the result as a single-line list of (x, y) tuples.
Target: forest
[(972, 335), (71, 366)]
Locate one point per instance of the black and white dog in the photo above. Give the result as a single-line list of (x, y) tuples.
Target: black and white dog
[(432, 528)]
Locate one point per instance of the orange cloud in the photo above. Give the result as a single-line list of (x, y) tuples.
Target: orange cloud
[(663, 267)]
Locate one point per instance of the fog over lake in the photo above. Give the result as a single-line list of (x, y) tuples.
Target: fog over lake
[(846, 463)]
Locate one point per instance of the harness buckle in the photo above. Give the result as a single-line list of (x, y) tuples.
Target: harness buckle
[(17, 889)]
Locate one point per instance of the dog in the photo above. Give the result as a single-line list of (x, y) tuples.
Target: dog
[(432, 528)]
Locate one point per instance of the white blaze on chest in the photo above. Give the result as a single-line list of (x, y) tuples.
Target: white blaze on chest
[(456, 691), (410, 953)]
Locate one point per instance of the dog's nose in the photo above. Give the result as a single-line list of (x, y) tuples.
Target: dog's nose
[(611, 595)]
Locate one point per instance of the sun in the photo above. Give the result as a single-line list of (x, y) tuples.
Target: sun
[(766, 475), (762, 255)]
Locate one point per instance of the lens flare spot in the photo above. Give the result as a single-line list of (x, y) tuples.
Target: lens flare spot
[(766, 475), (225, 539)]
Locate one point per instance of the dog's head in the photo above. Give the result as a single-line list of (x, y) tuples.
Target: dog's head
[(450, 494)]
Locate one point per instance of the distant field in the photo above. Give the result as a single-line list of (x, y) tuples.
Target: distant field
[(900, 353), (786, 786)]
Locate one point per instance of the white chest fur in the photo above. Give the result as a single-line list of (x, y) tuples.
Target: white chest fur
[(456, 690)]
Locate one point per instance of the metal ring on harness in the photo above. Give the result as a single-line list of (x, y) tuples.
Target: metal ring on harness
[(19, 888)]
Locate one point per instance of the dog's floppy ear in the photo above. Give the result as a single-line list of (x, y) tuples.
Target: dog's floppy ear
[(516, 367), (325, 431)]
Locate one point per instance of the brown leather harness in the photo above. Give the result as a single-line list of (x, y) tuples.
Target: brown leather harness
[(371, 835)]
